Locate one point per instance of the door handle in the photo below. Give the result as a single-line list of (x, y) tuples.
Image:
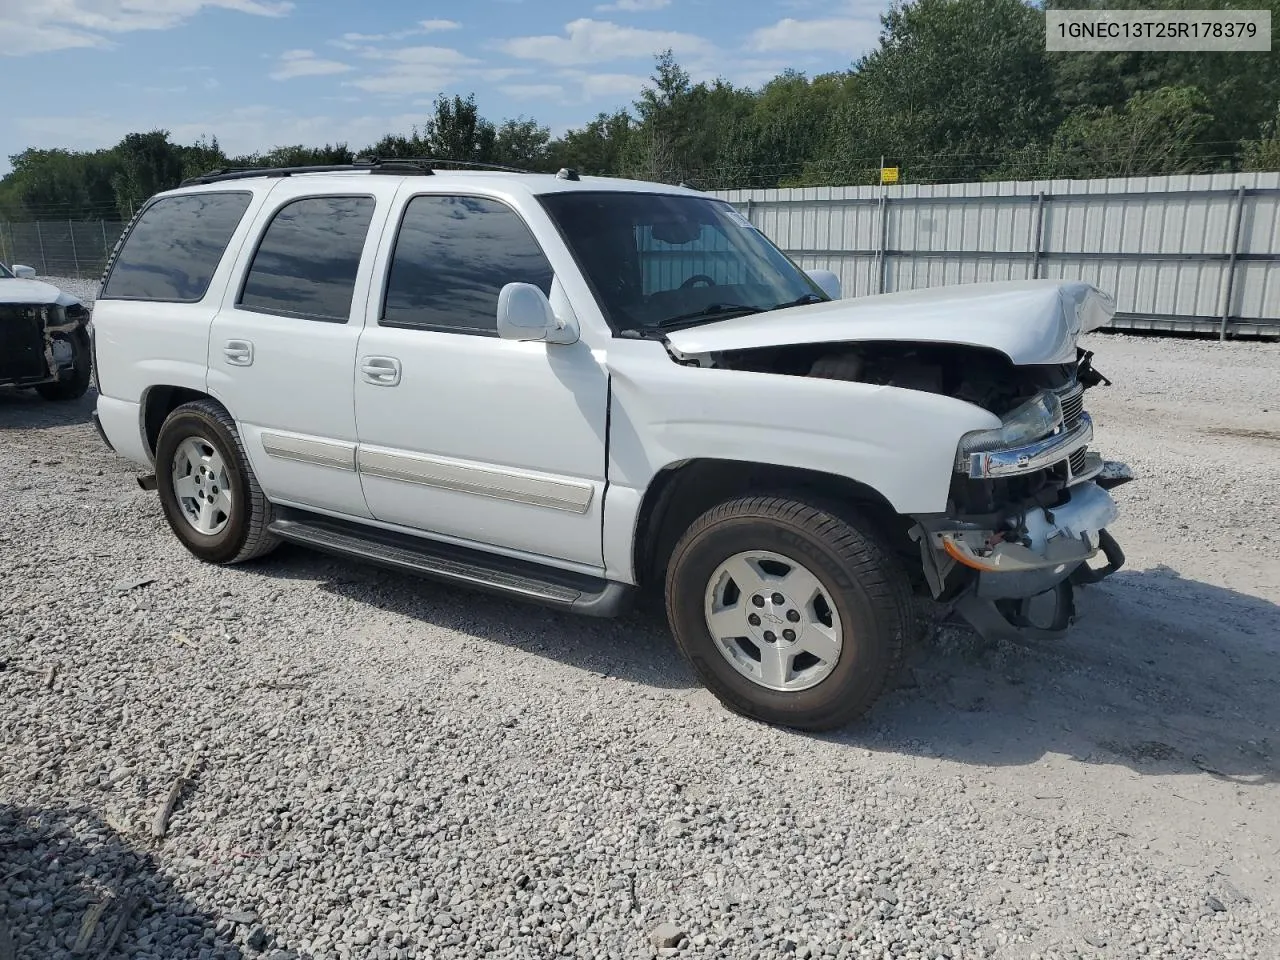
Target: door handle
[(380, 371), (239, 353)]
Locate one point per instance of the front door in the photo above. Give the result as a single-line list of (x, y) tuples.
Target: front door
[(282, 349), (462, 434)]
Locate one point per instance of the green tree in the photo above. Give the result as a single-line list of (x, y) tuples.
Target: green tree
[(456, 131), (149, 163), (1264, 152), (59, 184), (522, 143), (954, 87), (1156, 132), (599, 148), (1240, 90)]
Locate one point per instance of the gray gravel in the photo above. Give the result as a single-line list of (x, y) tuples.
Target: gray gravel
[(86, 290), (388, 768)]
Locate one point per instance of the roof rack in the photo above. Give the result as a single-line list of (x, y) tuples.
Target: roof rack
[(422, 166)]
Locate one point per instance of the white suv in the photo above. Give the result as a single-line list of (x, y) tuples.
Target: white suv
[(567, 388)]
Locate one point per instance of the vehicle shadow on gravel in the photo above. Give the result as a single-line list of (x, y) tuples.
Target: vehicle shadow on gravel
[(637, 647), (27, 410), (71, 886), (1161, 674)]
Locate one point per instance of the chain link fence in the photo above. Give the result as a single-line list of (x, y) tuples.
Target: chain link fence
[(60, 248)]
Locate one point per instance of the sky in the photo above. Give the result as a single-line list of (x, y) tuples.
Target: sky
[(256, 74)]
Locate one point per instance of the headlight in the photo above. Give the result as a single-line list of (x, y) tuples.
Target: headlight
[(1036, 418)]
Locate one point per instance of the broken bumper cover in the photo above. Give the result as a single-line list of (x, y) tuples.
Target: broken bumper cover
[(1048, 554)]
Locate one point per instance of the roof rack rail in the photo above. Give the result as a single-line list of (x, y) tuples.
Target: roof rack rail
[(423, 166), (372, 164), (431, 162)]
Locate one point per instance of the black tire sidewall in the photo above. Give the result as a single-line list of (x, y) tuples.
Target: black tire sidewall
[(183, 423), (866, 656)]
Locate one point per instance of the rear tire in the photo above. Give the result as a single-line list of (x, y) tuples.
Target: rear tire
[(825, 611), (75, 383), (207, 489)]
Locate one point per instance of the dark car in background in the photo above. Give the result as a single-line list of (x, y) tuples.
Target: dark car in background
[(44, 336)]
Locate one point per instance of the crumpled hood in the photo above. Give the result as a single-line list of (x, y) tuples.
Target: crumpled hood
[(35, 292), (1029, 321)]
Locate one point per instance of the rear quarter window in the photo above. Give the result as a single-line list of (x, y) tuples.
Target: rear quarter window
[(175, 247)]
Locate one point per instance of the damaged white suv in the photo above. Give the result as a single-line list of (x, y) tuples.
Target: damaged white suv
[(565, 389)]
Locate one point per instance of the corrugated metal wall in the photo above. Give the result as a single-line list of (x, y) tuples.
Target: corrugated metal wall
[(1178, 253)]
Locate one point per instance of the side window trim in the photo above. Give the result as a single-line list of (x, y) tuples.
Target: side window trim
[(270, 218), (113, 257), (379, 316)]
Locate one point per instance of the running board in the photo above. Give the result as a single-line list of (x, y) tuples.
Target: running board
[(476, 569)]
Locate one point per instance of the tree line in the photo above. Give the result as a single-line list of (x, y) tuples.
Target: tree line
[(956, 90)]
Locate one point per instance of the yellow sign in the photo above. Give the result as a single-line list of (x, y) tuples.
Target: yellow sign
[(888, 174)]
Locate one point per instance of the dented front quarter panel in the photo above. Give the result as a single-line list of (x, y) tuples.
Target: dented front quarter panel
[(901, 443)]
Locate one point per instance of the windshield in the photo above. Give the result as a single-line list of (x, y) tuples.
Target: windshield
[(5, 271), (657, 261)]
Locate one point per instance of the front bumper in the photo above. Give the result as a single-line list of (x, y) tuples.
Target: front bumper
[(97, 425), (35, 348), (1042, 556)]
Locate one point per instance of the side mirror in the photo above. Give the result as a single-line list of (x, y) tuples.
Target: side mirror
[(828, 281), (23, 272), (525, 313)]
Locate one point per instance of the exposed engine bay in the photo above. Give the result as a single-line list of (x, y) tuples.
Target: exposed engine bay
[(977, 375)]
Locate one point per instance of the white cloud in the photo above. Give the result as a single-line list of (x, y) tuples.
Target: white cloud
[(414, 70), (599, 85), (849, 35), (424, 26), (598, 41), (634, 6), (499, 74), (304, 63), (434, 55), (39, 27), (432, 26), (587, 86), (533, 91)]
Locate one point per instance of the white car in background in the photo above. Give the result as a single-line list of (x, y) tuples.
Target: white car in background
[(44, 336)]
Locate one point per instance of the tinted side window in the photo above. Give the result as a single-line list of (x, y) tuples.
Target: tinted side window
[(307, 262), (173, 250), (452, 258)]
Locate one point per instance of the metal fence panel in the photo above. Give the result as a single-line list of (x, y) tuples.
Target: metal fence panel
[(60, 248), (1180, 252)]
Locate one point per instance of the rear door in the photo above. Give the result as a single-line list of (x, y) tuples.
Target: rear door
[(282, 347)]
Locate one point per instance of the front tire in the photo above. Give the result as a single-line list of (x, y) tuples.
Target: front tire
[(207, 489), (790, 612)]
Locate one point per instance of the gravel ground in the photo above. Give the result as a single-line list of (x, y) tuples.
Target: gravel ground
[(387, 768)]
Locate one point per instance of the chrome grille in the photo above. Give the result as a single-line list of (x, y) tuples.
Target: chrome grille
[(1077, 461), (1072, 405)]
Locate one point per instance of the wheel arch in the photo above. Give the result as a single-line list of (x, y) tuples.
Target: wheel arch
[(681, 492), (158, 402)]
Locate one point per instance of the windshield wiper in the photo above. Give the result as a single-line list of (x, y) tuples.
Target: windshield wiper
[(715, 310), (800, 301)]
